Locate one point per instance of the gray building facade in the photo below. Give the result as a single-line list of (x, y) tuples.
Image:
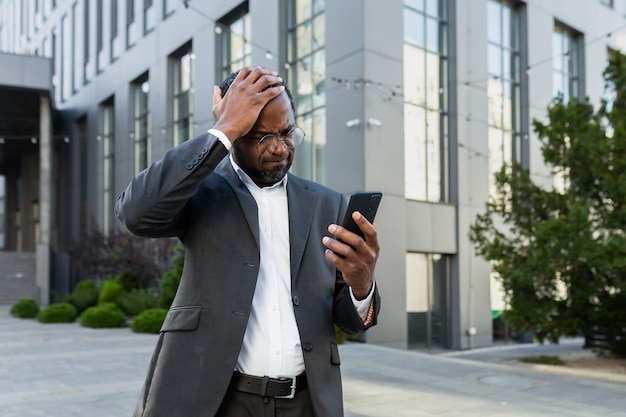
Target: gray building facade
[(420, 99)]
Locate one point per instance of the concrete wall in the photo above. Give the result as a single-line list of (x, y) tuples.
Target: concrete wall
[(363, 41)]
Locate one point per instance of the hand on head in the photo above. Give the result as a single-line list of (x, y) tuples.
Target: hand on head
[(238, 110)]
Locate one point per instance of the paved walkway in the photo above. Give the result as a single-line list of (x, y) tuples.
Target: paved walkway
[(65, 370)]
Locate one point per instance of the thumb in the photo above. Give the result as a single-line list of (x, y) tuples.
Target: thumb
[(217, 95), (217, 100)]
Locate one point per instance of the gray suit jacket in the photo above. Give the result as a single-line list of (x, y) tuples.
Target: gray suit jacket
[(193, 193)]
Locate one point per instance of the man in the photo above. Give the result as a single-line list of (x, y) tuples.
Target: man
[(250, 331)]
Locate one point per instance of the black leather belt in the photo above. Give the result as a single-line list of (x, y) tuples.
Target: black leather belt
[(280, 387)]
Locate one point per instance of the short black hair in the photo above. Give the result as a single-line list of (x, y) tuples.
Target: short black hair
[(229, 80)]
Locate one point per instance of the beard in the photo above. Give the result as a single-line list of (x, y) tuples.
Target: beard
[(264, 176)]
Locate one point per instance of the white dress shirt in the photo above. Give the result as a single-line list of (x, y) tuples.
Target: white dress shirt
[(271, 344)]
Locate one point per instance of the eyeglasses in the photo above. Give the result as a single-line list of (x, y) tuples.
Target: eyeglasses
[(269, 142)]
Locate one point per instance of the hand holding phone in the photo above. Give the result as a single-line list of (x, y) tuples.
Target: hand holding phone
[(366, 203)]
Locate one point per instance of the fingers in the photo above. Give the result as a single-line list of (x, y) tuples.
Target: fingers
[(356, 264), (238, 110), (354, 240), (257, 80), (351, 246)]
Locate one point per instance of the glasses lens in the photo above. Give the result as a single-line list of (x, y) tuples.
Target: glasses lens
[(269, 143), (297, 136)]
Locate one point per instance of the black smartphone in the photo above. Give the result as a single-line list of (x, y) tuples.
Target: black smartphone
[(365, 202)]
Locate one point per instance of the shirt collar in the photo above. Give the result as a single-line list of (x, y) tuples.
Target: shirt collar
[(245, 178)]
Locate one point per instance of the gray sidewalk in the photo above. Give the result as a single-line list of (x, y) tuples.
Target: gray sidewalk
[(65, 370)]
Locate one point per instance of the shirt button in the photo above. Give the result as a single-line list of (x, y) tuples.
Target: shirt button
[(308, 347), (296, 301)]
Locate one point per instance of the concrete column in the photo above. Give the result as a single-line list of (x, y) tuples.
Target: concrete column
[(45, 188)]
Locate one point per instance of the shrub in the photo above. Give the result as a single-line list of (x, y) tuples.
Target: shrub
[(150, 321), (543, 360), (140, 261), (618, 348), (111, 292), (136, 301), (340, 335), (171, 279), (104, 315), (26, 308), (58, 313), (85, 295)]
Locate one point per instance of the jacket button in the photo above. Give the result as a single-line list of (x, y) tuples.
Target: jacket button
[(194, 161), (296, 301), (307, 347), (189, 165), (204, 151), (200, 156)]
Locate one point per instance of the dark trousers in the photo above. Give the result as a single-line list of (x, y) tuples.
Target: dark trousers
[(243, 404)]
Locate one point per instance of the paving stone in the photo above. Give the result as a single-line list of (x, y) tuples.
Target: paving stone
[(65, 370)]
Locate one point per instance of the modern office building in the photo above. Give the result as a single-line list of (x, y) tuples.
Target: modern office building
[(420, 99)]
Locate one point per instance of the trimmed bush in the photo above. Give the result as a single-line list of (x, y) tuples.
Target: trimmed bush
[(26, 308), (85, 295), (168, 284), (111, 292), (58, 313), (136, 301), (150, 321), (104, 315)]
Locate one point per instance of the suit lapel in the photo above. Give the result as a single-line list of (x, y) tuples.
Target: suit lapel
[(302, 204), (248, 205)]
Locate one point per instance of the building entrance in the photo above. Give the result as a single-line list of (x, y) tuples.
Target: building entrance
[(427, 289)]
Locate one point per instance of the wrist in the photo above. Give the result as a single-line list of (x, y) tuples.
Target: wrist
[(229, 131), (361, 293)]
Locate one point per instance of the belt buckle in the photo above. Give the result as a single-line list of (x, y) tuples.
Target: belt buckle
[(292, 394)]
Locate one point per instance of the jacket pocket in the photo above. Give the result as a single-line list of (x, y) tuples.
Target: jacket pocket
[(334, 354), (182, 319)]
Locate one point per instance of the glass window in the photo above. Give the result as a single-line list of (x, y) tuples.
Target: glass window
[(131, 32), (66, 58), (565, 78), (149, 16), (116, 38), (503, 85), (141, 111), (86, 32), (565, 65), (108, 154), (74, 74), (234, 35), (306, 67), (100, 35), (425, 106), (169, 6), (182, 94)]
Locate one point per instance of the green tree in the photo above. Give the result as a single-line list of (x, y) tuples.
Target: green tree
[(561, 252)]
